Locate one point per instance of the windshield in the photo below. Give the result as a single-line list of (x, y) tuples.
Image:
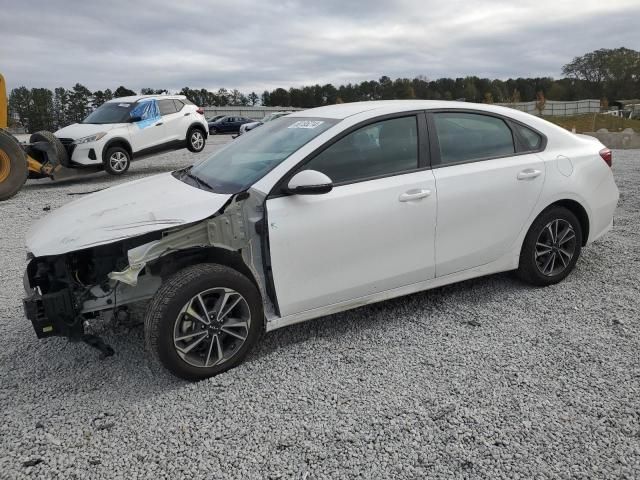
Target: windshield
[(250, 157), (111, 112)]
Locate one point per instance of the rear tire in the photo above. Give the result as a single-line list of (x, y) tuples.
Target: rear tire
[(61, 152), (551, 248), (187, 330), (13, 166), (196, 139), (117, 161)]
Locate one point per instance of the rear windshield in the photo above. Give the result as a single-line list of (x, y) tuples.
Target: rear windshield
[(251, 156), (111, 112)]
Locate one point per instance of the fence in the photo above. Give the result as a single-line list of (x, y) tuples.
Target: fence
[(557, 108), (248, 112)]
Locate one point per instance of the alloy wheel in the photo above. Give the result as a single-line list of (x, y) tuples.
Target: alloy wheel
[(118, 161), (555, 247), (197, 140), (211, 327)]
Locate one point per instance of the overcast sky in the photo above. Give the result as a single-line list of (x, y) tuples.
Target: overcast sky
[(263, 44)]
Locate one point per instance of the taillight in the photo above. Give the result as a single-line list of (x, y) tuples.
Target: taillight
[(200, 110), (607, 155)]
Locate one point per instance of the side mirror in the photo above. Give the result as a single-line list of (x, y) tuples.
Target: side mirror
[(309, 182), (135, 119)]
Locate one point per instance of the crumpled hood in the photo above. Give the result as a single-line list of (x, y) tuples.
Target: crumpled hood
[(79, 130), (124, 211)]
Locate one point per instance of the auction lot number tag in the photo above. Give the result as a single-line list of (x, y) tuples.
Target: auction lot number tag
[(306, 124)]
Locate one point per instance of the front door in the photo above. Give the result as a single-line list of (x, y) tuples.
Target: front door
[(373, 232)]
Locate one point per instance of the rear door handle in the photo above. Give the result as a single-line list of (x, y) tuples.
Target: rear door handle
[(158, 124), (416, 194), (187, 114), (529, 174)]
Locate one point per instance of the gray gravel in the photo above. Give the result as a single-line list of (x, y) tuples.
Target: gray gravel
[(484, 379)]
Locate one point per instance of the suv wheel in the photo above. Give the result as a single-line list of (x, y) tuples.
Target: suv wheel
[(117, 161), (203, 320), (551, 248), (195, 140)]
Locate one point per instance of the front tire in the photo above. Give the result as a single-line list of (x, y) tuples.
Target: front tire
[(117, 161), (195, 140), (203, 320), (551, 248)]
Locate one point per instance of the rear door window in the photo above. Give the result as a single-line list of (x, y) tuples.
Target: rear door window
[(465, 137), (167, 107)]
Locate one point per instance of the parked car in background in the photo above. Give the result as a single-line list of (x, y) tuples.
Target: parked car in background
[(228, 124), (212, 120), (322, 211), (250, 126), (127, 128)]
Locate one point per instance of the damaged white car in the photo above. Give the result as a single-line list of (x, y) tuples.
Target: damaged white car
[(315, 213)]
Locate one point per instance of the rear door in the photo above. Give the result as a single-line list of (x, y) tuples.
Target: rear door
[(488, 183), (372, 233), (172, 120), (149, 131)]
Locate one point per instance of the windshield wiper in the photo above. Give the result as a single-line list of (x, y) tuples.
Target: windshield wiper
[(198, 180)]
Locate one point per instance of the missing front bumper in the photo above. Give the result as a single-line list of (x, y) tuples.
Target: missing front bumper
[(54, 314)]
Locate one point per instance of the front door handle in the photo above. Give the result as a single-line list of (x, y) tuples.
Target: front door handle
[(158, 124), (529, 174), (416, 194)]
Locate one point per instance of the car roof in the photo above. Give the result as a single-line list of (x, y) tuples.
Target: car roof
[(344, 110), (137, 98), (372, 109)]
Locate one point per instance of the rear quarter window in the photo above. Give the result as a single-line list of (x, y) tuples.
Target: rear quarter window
[(531, 141)]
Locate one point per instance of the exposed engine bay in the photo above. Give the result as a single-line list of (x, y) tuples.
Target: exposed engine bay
[(64, 291)]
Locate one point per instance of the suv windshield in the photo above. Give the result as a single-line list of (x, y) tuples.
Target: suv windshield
[(250, 157), (111, 112)]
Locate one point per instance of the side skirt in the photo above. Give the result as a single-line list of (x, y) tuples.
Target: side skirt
[(504, 264)]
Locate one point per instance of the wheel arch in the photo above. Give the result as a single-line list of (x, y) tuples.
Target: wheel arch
[(117, 142), (579, 211), (170, 264), (199, 126)]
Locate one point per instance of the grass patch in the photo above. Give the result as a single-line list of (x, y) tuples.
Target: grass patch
[(591, 122)]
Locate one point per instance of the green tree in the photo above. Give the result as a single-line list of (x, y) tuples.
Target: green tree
[(123, 92), (608, 72), (60, 106), (79, 103), (253, 98)]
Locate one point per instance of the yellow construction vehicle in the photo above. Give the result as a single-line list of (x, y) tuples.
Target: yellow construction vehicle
[(42, 157)]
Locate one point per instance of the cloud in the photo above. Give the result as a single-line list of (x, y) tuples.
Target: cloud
[(256, 45)]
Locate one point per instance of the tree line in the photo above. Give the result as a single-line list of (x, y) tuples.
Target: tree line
[(607, 74)]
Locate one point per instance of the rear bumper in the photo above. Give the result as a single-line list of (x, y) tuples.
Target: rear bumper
[(602, 209)]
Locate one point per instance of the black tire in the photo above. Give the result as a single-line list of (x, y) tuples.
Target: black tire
[(113, 160), (534, 254), (164, 312), (13, 166), (61, 152), (196, 139)]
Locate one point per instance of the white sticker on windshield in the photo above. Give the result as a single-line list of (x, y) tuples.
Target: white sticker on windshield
[(306, 124), (124, 105)]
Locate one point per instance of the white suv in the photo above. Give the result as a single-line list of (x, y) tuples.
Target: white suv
[(128, 128)]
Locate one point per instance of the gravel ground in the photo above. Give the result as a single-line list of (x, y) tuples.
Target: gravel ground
[(488, 378)]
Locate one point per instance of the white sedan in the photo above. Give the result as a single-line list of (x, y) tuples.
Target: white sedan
[(318, 212)]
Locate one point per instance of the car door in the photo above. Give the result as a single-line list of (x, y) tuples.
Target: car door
[(148, 132), (487, 184), (374, 231), (173, 121)]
